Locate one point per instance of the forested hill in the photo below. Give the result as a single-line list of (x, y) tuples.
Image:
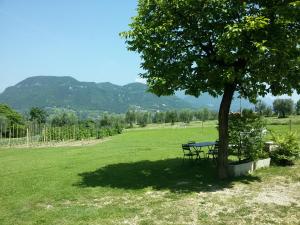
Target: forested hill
[(67, 92)]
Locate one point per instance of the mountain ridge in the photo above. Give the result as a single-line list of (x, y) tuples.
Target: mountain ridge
[(67, 92)]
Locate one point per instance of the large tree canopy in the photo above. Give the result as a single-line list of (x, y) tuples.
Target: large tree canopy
[(38, 114), (218, 46), (283, 107)]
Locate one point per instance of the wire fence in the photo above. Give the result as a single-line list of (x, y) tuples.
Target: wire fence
[(32, 134), (36, 135), (287, 124)]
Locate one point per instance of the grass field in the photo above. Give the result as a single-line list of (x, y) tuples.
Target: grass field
[(138, 178)]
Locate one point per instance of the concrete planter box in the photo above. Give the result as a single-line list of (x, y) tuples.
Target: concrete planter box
[(262, 163), (248, 167), (241, 169)]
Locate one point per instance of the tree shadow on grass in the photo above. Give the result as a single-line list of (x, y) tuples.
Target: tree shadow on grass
[(168, 174)]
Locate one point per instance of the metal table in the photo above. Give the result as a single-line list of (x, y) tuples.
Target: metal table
[(197, 146)]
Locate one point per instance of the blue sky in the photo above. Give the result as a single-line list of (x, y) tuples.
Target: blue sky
[(79, 38)]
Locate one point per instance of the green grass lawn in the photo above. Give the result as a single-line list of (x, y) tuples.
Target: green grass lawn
[(138, 178)]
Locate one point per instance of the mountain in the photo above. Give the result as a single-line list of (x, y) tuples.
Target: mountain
[(67, 92)]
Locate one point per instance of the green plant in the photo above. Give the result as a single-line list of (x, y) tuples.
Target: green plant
[(283, 107), (245, 135), (218, 47), (287, 150)]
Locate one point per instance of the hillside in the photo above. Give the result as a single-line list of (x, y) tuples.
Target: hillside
[(67, 92)]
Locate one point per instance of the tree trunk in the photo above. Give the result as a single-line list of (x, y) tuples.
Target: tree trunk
[(223, 130)]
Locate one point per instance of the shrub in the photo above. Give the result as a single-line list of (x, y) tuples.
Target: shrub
[(245, 135), (287, 150), (101, 133)]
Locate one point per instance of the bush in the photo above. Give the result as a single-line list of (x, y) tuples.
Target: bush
[(287, 150), (101, 133), (245, 135)]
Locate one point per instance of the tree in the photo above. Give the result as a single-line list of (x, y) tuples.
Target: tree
[(64, 119), (171, 117), (268, 111), (298, 107), (185, 116), (159, 117), (283, 107), (10, 120), (130, 117), (38, 114), (12, 116), (219, 47), (143, 118), (106, 121), (260, 107), (205, 114)]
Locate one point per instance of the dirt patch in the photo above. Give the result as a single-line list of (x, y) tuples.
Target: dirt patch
[(61, 144), (280, 195), (94, 203)]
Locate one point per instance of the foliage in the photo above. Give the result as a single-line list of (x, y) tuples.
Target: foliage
[(80, 132), (218, 47), (143, 118), (4, 122), (246, 135), (283, 107), (158, 117), (268, 111), (62, 126), (130, 117), (185, 116), (171, 117), (260, 107), (200, 46), (63, 119), (38, 114), (287, 150), (12, 116), (11, 122)]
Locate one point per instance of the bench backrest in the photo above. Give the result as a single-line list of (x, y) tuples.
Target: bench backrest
[(186, 147)]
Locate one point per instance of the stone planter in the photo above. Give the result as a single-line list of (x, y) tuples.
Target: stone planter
[(241, 169), (262, 163)]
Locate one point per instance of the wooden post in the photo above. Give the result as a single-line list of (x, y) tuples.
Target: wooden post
[(17, 131), (69, 132), (9, 137), (13, 131), (30, 133), (74, 132), (1, 132), (27, 137), (50, 133), (60, 134), (46, 134), (44, 138), (290, 125)]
